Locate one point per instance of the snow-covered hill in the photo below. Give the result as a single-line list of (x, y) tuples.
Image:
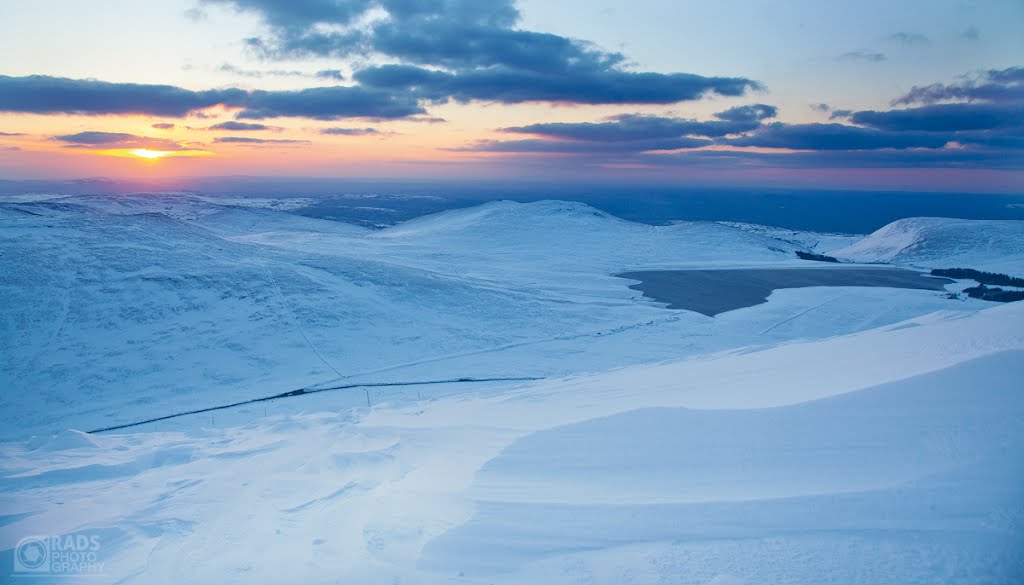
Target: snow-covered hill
[(113, 308), (831, 434), (935, 242), (117, 308)]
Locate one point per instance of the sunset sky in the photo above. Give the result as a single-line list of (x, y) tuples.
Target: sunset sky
[(871, 94)]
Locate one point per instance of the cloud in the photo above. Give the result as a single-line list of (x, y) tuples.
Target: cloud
[(751, 113), (426, 119), (466, 50), (41, 94), (835, 137), (980, 134), (330, 103), (330, 74), (11, 134), (988, 101), (945, 117), (861, 159), (588, 147), (258, 73), (909, 39), (869, 56), (507, 85), (634, 127), (163, 126), (255, 141), (118, 140), (628, 133), (992, 85), (10, 148), (971, 33), (334, 74), (349, 131), (240, 126)]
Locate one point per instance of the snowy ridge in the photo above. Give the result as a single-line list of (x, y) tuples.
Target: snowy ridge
[(506, 215), (935, 242)]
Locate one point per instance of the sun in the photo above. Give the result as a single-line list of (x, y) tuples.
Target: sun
[(150, 154)]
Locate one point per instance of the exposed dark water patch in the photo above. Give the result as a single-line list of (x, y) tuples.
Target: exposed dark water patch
[(711, 292)]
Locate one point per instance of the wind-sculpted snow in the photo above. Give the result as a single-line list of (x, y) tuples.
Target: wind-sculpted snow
[(936, 242), (892, 456)]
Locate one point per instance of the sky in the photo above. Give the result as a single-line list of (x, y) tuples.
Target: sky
[(901, 94)]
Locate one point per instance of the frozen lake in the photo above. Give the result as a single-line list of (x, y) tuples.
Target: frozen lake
[(711, 292)]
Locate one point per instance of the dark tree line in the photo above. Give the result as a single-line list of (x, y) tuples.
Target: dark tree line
[(815, 257), (994, 294), (982, 277)]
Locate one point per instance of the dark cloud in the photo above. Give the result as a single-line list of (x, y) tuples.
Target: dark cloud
[(426, 120), (11, 134), (42, 94), (240, 126), (52, 95), (517, 86), (111, 140), (335, 74), (833, 113), (10, 148), (861, 159), (750, 113), (993, 85), (585, 147), (349, 131), (258, 73), (909, 39), (163, 126), (835, 137), (984, 130), (467, 50), (870, 56), (632, 128), (330, 103), (298, 14), (629, 133), (945, 117), (248, 140)]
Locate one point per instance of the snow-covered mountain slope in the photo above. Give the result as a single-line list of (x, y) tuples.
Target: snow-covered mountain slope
[(892, 456), (936, 242), (564, 234), (112, 312), (817, 242)]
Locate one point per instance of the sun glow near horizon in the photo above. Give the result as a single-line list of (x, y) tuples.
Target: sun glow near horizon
[(150, 154)]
